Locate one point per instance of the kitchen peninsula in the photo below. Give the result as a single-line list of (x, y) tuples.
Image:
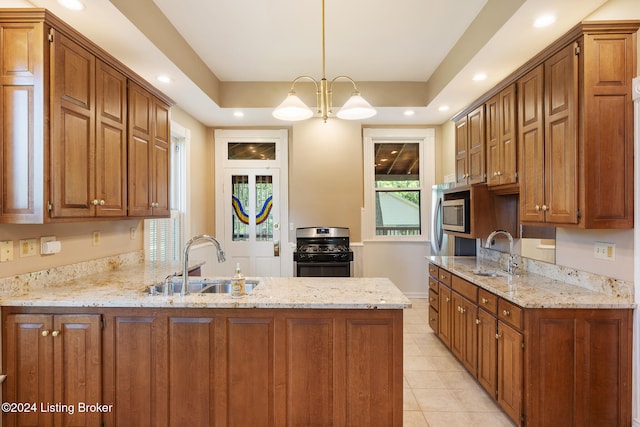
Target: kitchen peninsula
[(294, 351)]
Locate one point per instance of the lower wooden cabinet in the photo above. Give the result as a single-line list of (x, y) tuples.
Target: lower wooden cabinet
[(544, 367), (259, 367), (53, 365)]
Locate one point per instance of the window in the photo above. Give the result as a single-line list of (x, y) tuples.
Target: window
[(397, 203)]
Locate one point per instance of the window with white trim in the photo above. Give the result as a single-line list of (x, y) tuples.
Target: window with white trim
[(399, 173)]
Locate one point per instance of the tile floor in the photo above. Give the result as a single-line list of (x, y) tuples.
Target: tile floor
[(438, 391)]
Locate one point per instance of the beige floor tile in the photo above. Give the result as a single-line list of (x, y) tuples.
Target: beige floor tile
[(490, 419), (457, 380), (418, 363), (475, 400), (414, 419), (423, 379), (409, 403), (441, 400), (448, 419)]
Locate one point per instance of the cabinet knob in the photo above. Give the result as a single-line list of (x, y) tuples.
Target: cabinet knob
[(485, 301), (447, 299), (55, 333), (45, 333), (544, 208), (95, 202), (102, 202), (477, 321), (495, 174), (506, 312), (536, 207), (497, 336)]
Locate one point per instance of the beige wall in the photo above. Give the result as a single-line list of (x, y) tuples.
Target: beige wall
[(325, 175)]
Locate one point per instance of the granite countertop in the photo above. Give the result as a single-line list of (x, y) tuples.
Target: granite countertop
[(531, 290), (128, 287)]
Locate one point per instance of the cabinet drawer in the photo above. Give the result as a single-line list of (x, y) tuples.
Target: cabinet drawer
[(433, 299), (433, 284), (510, 313), (444, 276), (488, 301), (433, 270), (433, 319), (464, 288)]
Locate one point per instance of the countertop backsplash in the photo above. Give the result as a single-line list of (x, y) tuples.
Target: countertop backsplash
[(583, 279)]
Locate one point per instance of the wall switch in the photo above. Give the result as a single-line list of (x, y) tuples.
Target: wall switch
[(28, 247), (95, 238), (6, 251), (603, 250)]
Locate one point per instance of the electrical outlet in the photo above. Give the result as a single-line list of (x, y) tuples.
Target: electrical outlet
[(28, 247), (6, 251), (603, 250), (95, 238)]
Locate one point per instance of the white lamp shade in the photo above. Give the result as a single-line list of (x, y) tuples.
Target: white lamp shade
[(292, 109), (356, 108)]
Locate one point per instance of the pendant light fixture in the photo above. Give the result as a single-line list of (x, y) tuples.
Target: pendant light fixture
[(293, 109)]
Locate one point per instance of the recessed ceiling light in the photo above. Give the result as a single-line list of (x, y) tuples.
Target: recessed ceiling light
[(443, 108), (164, 79), (479, 77), (409, 113), (238, 114), (72, 4), (544, 21)]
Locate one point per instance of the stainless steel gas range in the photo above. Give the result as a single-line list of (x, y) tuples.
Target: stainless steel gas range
[(322, 252)]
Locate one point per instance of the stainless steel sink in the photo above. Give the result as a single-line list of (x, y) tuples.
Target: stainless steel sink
[(201, 285)]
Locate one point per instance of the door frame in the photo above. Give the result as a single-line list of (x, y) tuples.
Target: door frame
[(281, 138)]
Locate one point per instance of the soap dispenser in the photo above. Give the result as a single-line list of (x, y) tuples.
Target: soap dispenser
[(238, 283)]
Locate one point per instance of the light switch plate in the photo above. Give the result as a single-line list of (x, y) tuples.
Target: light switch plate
[(6, 251)]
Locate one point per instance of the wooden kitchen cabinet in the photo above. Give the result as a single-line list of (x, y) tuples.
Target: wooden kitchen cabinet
[(579, 171), (544, 367), (65, 143), (52, 359), (149, 156), (470, 148), (501, 138), (22, 116), (258, 367), (89, 140)]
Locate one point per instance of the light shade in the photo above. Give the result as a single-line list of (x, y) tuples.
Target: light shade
[(356, 108), (292, 109)]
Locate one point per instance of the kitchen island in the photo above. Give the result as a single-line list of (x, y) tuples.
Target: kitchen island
[(293, 351)]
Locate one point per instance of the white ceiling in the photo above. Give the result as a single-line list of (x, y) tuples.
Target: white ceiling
[(277, 40)]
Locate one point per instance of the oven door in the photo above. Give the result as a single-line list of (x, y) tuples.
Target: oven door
[(323, 269)]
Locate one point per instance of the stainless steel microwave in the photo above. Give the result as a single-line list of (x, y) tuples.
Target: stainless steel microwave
[(455, 215)]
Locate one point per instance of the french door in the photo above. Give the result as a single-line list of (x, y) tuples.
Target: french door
[(251, 221)]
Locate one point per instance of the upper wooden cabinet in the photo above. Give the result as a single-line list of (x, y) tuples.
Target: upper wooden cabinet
[(65, 141), (500, 114), (470, 150), (574, 133)]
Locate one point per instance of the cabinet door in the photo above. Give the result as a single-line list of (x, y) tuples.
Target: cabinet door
[(510, 369), (476, 135), (140, 123), (531, 140), (462, 168), (445, 314), (72, 129), (22, 118), (111, 141), (507, 136), (463, 332), (28, 362), (494, 155), (561, 136), (487, 352), (77, 360), (160, 174)]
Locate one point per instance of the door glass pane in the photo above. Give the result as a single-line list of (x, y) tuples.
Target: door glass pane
[(240, 206), (252, 151), (264, 203)]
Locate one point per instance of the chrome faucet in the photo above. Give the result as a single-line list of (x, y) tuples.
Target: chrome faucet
[(185, 258), (511, 263)]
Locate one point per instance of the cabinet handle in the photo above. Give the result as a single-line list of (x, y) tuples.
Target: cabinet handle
[(447, 299), (477, 321), (495, 174), (95, 202), (463, 310), (55, 333), (485, 301), (498, 336), (102, 202), (545, 208), (536, 207), (506, 312), (45, 333)]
